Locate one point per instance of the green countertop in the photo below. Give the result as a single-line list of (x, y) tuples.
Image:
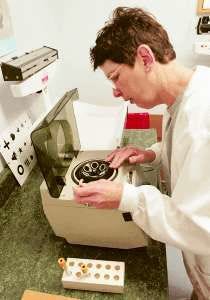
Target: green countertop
[(29, 251)]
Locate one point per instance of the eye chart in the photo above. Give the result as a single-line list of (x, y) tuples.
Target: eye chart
[(17, 149)]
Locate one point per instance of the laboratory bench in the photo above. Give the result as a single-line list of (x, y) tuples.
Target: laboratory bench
[(29, 250)]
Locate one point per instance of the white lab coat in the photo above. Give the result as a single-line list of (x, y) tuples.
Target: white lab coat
[(182, 219)]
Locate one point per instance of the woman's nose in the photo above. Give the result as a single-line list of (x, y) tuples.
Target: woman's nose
[(117, 92)]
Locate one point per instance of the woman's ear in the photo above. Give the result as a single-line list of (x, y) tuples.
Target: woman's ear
[(145, 53)]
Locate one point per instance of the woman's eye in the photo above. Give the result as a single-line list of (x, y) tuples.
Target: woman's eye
[(115, 78)]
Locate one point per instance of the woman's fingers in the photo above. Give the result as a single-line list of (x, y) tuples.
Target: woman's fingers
[(122, 156), (137, 159)]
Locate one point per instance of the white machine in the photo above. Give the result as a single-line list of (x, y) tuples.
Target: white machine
[(30, 73), (27, 74), (63, 164)]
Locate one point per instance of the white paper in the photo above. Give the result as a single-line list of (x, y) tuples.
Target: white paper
[(100, 127)]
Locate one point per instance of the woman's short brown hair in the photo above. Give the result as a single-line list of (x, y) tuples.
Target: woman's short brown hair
[(119, 39)]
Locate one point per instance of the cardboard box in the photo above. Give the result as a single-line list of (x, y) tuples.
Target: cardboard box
[(156, 122), (32, 295)]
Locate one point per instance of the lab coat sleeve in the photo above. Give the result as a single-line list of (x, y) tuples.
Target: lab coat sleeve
[(182, 220), (157, 149)]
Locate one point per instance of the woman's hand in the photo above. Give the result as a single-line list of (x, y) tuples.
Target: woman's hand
[(131, 154), (100, 194)]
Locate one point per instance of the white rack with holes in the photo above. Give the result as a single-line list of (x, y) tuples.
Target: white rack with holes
[(94, 275)]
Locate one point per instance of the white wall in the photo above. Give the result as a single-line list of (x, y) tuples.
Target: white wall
[(34, 26), (82, 19), (71, 27)]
